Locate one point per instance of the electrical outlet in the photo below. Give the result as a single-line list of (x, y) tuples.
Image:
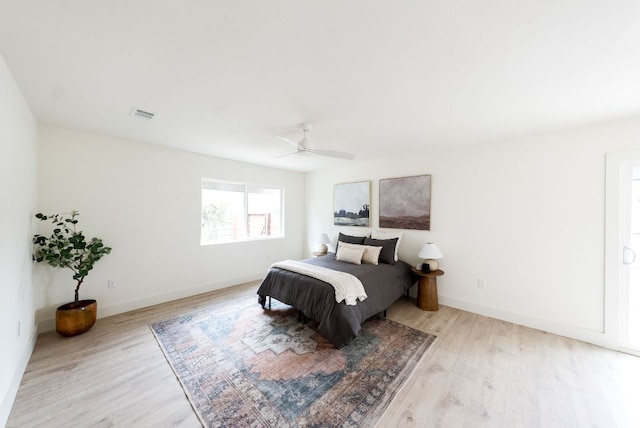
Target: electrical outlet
[(111, 284), (482, 283)]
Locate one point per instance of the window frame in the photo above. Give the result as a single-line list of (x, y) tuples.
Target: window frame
[(246, 188)]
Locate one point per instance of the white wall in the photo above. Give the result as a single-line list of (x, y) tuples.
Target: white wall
[(18, 175), (527, 215), (144, 201)]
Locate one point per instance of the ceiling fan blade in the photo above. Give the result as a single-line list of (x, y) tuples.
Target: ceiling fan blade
[(304, 147), (285, 155), (288, 141), (334, 154)]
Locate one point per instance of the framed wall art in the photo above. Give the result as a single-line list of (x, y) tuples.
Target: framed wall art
[(405, 202), (351, 202)]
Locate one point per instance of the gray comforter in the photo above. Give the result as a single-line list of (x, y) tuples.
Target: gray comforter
[(338, 322)]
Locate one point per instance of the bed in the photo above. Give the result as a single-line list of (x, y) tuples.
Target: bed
[(338, 322)]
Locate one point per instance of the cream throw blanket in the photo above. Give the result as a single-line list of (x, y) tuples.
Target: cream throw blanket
[(348, 287)]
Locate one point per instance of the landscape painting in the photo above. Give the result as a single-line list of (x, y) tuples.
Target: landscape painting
[(351, 202), (405, 203)]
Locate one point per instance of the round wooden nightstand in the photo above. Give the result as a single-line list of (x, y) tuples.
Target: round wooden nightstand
[(428, 289)]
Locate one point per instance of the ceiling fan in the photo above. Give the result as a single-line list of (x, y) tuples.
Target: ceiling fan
[(303, 148)]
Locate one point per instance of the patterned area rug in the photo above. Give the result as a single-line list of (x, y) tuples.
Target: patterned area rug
[(241, 365)]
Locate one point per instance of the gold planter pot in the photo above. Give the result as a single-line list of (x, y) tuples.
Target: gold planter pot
[(73, 319)]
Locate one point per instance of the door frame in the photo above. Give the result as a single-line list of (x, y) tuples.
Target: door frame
[(618, 177)]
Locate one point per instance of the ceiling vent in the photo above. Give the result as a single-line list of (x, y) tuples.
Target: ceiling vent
[(141, 113)]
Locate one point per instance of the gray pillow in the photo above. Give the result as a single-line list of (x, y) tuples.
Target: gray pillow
[(387, 254)]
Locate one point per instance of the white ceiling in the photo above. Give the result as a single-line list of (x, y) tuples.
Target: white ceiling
[(373, 77)]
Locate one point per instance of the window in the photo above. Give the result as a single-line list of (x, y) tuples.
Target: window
[(239, 211)]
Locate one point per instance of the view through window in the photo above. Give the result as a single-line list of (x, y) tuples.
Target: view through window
[(240, 211)]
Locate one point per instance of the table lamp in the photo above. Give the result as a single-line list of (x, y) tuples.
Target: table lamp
[(324, 240), (429, 252)]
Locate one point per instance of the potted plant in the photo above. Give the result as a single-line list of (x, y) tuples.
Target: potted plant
[(67, 247)]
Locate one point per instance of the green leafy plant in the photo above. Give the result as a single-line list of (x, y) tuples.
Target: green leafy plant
[(67, 247)]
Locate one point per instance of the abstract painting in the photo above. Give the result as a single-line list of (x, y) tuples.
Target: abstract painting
[(405, 202), (351, 202)]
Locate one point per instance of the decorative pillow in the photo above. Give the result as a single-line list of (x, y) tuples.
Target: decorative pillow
[(350, 239), (371, 254), (349, 255), (381, 234), (388, 248)]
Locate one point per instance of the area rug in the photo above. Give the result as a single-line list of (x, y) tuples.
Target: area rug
[(242, 365)]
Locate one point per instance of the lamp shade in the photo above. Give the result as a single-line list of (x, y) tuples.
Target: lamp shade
[(430, 251), (324, 239)]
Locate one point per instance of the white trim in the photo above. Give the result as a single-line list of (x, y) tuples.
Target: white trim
[(12, 391), (591, 336), (617, 168), (119, 308)]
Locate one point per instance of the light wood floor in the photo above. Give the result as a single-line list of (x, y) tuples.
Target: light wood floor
[(480, 372)]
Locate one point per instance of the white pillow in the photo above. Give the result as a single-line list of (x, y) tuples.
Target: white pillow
[(380, 234), (350, 255), (358, 231), (371, 254)]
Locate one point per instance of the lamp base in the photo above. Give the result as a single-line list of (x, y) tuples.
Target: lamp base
[(322, 250), (433, 265)]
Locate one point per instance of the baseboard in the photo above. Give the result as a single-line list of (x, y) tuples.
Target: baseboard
[(10, 397), (119, 308), (561, 329)]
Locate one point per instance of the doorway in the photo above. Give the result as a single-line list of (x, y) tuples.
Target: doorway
[(622, 267), (631, 328)]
